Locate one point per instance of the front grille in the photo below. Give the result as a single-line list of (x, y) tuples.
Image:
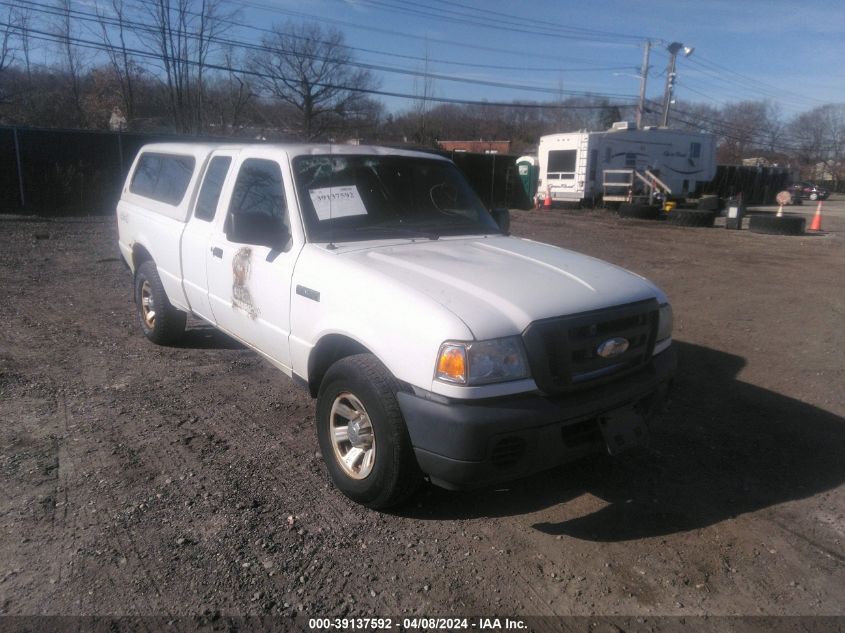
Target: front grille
[(563, 351), (508, 451)]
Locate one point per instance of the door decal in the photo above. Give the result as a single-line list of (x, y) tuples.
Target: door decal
[(241, 269)]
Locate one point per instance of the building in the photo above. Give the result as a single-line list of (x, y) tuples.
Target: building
[(477, 147)]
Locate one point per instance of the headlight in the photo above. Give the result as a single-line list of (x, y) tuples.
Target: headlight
[(664, 323), (482, 362)]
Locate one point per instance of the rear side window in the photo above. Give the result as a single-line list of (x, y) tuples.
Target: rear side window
[(212, 185), (162, 177)]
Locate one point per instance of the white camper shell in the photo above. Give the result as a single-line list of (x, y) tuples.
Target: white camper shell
[(623, 163)]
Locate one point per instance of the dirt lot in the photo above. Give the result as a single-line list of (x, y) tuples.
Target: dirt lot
[(146, 480)]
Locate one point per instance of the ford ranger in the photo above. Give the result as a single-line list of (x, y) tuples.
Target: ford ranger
[(436, 344)]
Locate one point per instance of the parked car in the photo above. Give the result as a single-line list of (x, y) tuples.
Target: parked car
[(809, 191), (435, 343)]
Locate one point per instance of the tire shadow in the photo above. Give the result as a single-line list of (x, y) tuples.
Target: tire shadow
[(723, 448)]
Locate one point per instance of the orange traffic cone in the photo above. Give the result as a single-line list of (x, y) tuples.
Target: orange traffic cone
[(817, 219), (547, 201)]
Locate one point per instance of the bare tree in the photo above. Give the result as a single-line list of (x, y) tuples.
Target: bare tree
[(72, 59), (7, 53), (7, 56), (820, 138), (114, 30), (23, 17), (312, 72), (744, 130), (230, 95), (185, 31)]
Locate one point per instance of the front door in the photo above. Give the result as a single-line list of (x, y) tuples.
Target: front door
[(251, 257)]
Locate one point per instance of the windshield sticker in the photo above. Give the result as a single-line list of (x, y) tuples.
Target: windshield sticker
[(337, 202)]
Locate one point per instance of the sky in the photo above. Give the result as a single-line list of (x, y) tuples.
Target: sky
[(786, 51)]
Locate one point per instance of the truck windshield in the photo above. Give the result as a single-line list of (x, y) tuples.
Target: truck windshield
[(359, 197)]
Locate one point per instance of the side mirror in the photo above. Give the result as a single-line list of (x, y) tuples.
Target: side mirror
[(503, 219), (258, 229)]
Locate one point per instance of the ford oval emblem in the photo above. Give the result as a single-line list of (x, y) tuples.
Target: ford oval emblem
[(613, 347)]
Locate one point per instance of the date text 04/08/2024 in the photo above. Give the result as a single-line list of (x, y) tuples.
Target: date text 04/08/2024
[(423, 623)]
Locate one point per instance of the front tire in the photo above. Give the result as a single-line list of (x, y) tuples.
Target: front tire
[(362, 435), (159, 320)]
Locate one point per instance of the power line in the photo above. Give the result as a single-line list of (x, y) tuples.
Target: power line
[(775, 90), (450, 62), (254, 4), (510, 25), (576, 29), (753, 87), (155, 29), (82, 43)]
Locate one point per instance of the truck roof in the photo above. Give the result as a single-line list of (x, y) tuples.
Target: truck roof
[(293, 149)]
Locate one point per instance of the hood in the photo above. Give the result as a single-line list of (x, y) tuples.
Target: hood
[(498, 285)]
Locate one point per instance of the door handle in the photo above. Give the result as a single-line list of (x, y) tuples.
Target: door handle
[(217, 252)]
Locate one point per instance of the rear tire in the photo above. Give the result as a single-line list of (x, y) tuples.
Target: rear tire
[(708, 203), (691, 217), (774, 225), (159, 320), (639, 211), (362, 435)]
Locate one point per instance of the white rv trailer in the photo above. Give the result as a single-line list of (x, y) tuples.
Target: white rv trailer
[(624, 163)]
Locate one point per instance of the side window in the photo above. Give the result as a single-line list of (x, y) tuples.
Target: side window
[(257, 210), (212, 185), (630, 160), (695, 150), (162, 177)]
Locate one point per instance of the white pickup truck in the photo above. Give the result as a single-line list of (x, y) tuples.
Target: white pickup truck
[(436, 344)]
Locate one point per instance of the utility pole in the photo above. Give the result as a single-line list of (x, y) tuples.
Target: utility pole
[(674, 48), (643, 79)]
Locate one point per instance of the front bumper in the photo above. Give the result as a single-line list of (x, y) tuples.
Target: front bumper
[(463, 444)]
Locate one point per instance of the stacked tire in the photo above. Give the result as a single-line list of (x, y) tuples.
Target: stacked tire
[(709, 203), (691, 217), (777, 225), (639, 211)]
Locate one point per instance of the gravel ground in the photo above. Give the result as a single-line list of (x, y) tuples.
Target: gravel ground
[(144, 480)]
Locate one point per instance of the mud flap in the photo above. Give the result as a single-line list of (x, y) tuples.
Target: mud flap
[(623, 429)]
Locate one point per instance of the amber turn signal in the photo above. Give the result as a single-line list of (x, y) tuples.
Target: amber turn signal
[(452, 363)]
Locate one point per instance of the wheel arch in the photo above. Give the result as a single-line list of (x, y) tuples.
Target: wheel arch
[(140, 254), (328, 350)]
